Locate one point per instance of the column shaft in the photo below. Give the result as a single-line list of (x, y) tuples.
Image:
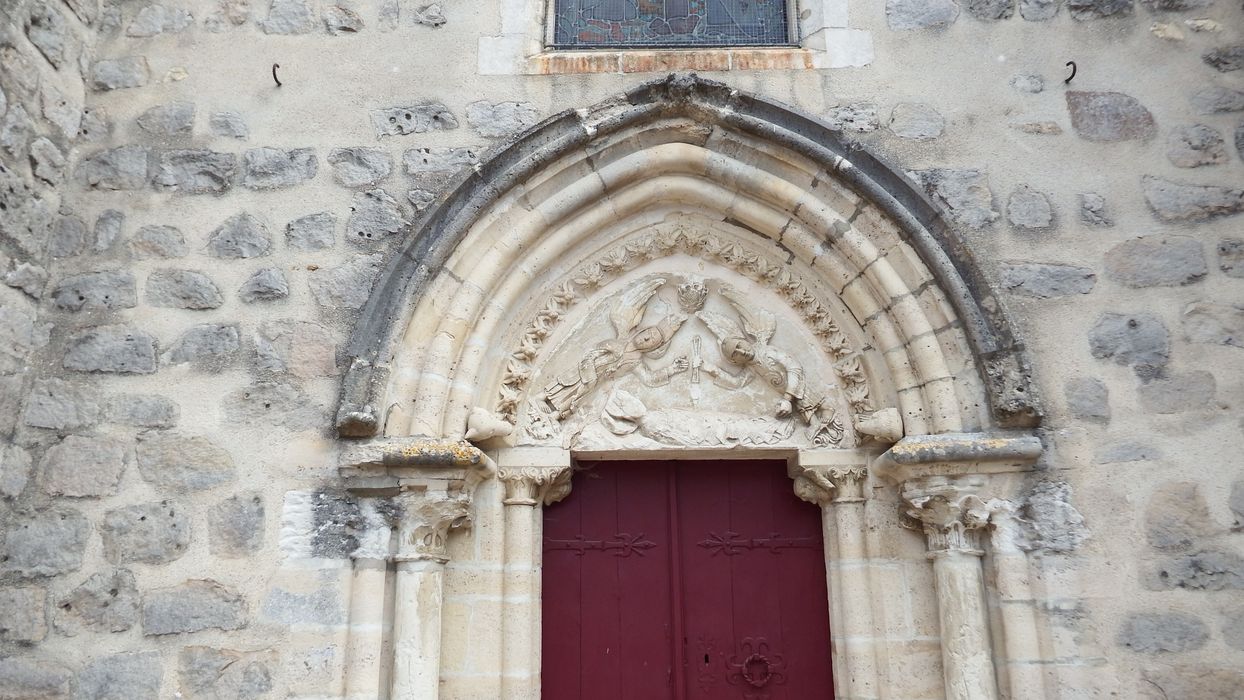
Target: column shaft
[(856, 626), (365, 654), (417, 630), (966, 663), (521, 607)]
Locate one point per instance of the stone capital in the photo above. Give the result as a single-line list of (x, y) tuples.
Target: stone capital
[(825, 484), (425, 519), (532, 486), (950, 510)]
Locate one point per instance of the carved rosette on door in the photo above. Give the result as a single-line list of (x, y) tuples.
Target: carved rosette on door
[(755, 667)]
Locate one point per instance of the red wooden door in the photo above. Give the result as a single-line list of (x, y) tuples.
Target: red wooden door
[(687, 580)]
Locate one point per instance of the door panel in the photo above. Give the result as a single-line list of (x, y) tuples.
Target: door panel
[(722, 551)]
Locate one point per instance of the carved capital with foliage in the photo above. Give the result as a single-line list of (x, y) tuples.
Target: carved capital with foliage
[(821, 484), (425, 521), (950, 510), (530, 486)]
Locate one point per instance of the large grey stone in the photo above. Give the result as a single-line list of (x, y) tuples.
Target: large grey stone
[(16, 130), (236, 526), (273, 404), (158, 242), (301, 348), (1153, 633), (860, 117), (119, 73), (20, 335), (23, 617), (1178, 201), (1194, 146), (67, 237), (390, 13), (58, 405), (1093, 210), (126, 676), (1216, 100), (1028, 208), (106, 602), (106, 289), (207, 346), (211, 674), (990, 9), (1215, 324), (1156, 261), (1190, 682), (429, 16), (1038, 10), (1177, 517), (1087, 399), (322, 606), (108, 229), (151, 533), (918, 14), (172, 119), (1053, 524), (159, 19), (229, 124), (193, 606), (912, 120), (1179, 392), (360, 167), (414, 119), (964, 193), (182, 289), (267, 284), (1140, 341), (274, 168), (1097, 9), (31, 279), (289, 17), (1225, 58), (47, 163), (25, 678), (346, 286), (195, 171), (51, 34), (24, 215), (1045, 281), (1109, 116), (374, 215), (179, 463), (1175, 5), (425, 161), (123, 168), (142, 411), (501, 119), (240, 236), (342, 20), (15, 464), (311, 232), (1203, 571), (116, 349), (44, 542), (81, 466)]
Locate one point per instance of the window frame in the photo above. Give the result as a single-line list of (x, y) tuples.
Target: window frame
[(550, 36)]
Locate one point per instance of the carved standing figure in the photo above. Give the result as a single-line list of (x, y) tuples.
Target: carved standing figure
[(622, 354)]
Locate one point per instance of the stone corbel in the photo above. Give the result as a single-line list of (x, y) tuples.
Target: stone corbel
[(383, 464)]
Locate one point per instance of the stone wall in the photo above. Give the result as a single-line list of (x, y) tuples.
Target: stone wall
[(185, 244)]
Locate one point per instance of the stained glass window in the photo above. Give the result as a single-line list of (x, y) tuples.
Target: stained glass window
[(612, 23)]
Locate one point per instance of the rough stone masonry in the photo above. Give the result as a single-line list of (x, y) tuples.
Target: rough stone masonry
[(185, 246)]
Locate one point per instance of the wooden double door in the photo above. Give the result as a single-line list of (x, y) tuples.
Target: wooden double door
[(696, 580)]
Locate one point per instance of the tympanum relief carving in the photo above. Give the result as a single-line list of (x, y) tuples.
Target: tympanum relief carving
[(679, 337)]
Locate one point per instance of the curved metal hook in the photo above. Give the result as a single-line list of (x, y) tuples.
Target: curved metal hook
[(278, 80), (1072, 64)]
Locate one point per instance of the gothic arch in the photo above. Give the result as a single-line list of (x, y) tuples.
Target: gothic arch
[(931, 331)]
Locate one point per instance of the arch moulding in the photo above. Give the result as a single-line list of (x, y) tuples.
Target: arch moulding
[(687, 271)]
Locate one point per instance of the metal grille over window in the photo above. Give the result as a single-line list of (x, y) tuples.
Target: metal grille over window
[(589, 24)]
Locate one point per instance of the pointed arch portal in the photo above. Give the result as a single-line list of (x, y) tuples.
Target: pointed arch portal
[(690, 272)]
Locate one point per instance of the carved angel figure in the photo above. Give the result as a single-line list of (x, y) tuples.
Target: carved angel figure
[(748, 347), (620, 355)]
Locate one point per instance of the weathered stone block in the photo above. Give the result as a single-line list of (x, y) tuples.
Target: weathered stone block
[(142, 410), (990, 10), (1216, 100), (502, 119), (320, 607), (1087, 399), (15, 465), (113, 349), (1177, 201), (25, 678), (29, 278), (152, 533), (108, 229), (360, 167), (105, 602), (208, 346), (274, 168), (125, 676), (23, 617), (120, 73), (1140, 341), (240, 236), (274, 404), (195, 171), (20, 335), (860, 117), (919, 14), (1162, 632), (158, 242), (1195, 146), (178, 463), (965, 193), (1177, 517), (107, 289), (1045, 281), (1178, 392), (289, 17), (82, 466), (1053, 523), (208, 673), (429, 16), (236, 526), (123, 168), (1093, 210), (1225, 58), (51, 34), (267, 284), (60, 405), (1202, 571), (1038, 10), (421, 199), (228, 124), (1156, 261), (45, 542), (342, 20), (172, 119), (47, 163), (912, 120), (301, 348), (193, 606), (311, 232), (346, 286), (415, 119), (1097, 9), (1109, 116), (67, 237), (183, 289), (159, 19), (374, 215), (423, 161)]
